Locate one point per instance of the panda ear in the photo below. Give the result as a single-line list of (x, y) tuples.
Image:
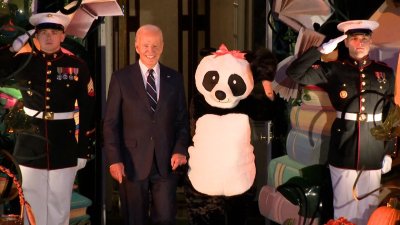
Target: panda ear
[(249, 55), (263, 65)]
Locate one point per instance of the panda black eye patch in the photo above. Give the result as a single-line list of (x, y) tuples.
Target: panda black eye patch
[(237, 85), (211, 79)]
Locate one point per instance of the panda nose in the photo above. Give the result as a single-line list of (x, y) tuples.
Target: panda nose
[(220, 95)]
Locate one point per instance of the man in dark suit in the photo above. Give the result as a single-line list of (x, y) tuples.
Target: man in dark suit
[(146, 133)]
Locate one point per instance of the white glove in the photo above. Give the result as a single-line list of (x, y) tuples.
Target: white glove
[(386, 164), (20, 41), (329, 46), (81, 163)]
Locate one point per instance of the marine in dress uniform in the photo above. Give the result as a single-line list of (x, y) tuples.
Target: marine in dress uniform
[(356, 86), (49, 152)]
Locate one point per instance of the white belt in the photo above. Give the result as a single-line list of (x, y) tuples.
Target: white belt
[(360, 116), (49, 115)]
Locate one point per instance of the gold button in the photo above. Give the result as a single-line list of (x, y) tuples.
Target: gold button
[(47, 107), (363, 75), (362, 108), (343, 94), (67, 85), (49, 63), (362, 99), (363, 83), (48, 89), (48, 80), (344, 85), (362, 90), (48, 72), (29, 82), (47, 98), (29, 93)]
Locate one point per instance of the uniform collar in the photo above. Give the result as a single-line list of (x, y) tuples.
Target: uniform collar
[(365, 61), (52, 56)]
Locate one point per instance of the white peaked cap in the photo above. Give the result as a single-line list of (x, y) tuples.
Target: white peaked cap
[(58, 20), (357, 25)]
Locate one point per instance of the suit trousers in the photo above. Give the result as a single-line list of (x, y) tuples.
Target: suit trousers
[(149, 201), (357, 212), (49, 194)]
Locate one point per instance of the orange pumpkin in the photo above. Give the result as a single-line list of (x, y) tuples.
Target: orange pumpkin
[(386, 215)]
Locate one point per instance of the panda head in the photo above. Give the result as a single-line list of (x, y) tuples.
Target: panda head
[(224, 78)]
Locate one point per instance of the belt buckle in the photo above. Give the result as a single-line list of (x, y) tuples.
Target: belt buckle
[(362, 117), (48, 115)]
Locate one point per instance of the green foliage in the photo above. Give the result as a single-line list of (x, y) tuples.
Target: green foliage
[(16, 120), (290, 221), (291, 37), (390, 128)]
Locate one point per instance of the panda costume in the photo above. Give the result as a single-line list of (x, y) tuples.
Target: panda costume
[(221, 166)]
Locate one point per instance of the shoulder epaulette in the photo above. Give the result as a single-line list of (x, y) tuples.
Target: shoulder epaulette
[(382, 63)]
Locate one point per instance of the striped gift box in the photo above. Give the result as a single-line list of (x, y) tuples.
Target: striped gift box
[(312, 119), (315, 96), (281, 169), (274, 206), (307, 147)]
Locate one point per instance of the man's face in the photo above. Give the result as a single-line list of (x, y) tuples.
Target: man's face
[(358, 45), (50, 39), (149, 46)]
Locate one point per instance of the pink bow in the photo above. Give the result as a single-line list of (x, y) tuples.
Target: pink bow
[(224, 50)]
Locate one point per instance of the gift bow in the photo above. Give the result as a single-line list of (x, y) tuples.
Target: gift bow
[(223, 50)]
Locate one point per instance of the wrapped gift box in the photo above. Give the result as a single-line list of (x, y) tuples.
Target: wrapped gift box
[(312, 119), (281, 169), (306, 147), (79, 204), (277, 208)]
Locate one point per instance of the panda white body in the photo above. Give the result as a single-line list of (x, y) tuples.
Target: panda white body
[(222, 160)]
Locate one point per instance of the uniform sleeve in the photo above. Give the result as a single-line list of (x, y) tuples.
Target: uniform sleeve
[(390, 145), (86, 103), (307, 68), (392, 81)]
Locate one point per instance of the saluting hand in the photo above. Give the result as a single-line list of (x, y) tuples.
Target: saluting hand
[(117, 171), (178, 160), (329, 46)]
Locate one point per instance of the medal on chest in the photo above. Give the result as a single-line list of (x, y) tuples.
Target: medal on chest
[(67, 73)]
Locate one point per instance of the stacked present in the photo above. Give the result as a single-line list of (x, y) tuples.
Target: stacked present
[(311, 122), (303, 169), (79, 205)]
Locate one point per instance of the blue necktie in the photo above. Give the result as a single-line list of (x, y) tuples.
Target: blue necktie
[(151, 90)]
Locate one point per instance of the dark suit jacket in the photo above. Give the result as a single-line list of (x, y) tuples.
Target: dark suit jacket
[(133, 134)]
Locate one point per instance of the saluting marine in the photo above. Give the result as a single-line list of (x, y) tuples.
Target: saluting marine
[(356, 86), (50, 84)]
